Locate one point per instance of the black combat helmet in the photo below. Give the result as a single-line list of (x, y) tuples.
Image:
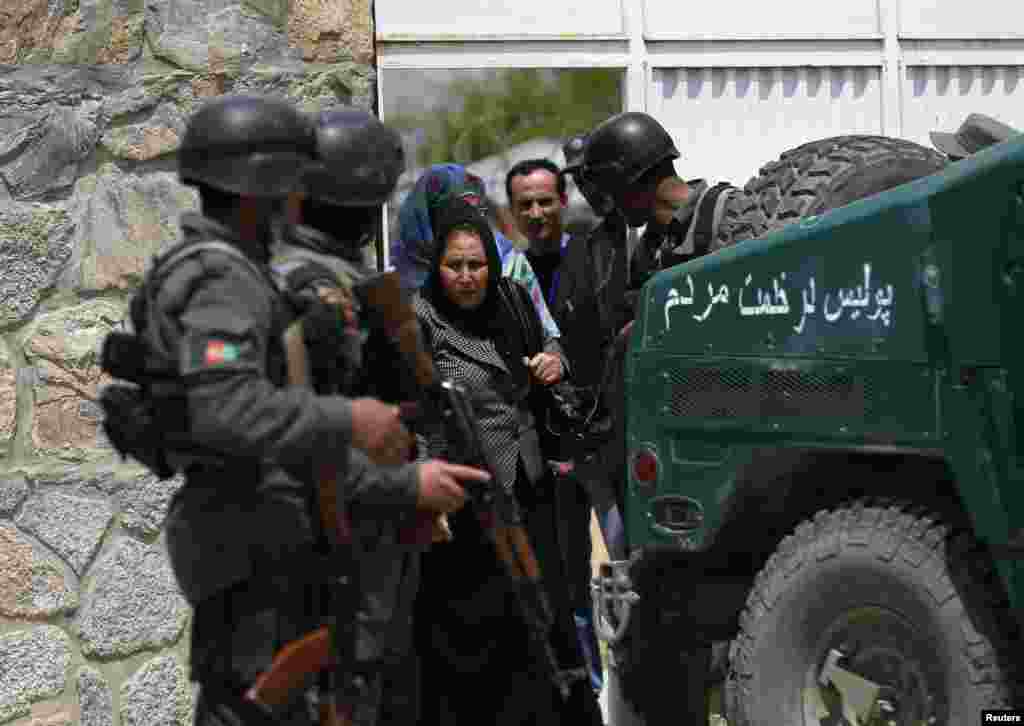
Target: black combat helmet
[(246, 145), (574, 150), (359, 160), (622, 148)]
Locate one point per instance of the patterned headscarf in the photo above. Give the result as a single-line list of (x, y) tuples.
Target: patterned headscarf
[(455, 214), (414, 250), (492, 319)]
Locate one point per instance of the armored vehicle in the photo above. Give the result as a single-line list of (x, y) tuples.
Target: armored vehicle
[(825, 437)]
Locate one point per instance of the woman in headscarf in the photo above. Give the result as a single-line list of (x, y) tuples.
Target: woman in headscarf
[(472, 639), (413, 250)]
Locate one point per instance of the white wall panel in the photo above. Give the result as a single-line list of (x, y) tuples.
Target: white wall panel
[(726, 19), (961, 20), (498, 54), (939, 98), (965, 52), (764, 53), (439, 19), (728, 122)]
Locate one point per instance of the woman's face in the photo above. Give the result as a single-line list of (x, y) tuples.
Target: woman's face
[(464, 269)]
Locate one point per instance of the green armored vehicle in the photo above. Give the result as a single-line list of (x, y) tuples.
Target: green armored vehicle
[(826, 480)]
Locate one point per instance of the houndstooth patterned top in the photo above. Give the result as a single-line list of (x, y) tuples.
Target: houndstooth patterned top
[(505, 421)]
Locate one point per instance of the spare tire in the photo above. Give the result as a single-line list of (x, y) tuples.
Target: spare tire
[(819, 176)]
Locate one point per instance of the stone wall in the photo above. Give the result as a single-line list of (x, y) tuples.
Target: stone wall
[(94, 95)]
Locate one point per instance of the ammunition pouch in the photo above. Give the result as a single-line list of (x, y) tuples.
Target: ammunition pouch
[(130, 423), (141, 416), (130, 358)]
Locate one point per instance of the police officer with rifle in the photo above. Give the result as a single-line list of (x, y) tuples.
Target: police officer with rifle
[(317, 261), (207, 397)]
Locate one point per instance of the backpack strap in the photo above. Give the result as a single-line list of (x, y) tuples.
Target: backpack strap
[(708, 216), (177, 255)]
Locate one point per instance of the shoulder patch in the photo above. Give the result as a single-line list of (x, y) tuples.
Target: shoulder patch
[(220, 352)]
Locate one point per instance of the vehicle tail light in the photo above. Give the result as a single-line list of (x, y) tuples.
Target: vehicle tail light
[(645, 467)]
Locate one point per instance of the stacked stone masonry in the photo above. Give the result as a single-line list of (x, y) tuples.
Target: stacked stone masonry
[(94, 97)]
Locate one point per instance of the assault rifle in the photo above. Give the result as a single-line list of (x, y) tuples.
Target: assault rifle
[(328, 652), (382, 299)]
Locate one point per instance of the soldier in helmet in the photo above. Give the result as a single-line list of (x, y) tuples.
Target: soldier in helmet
[(629, 160), (319, 257), (597, 268), (241, 531), (582, 274)]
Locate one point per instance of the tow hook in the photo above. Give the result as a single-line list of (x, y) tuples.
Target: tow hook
[(858, 695), (613, 597)]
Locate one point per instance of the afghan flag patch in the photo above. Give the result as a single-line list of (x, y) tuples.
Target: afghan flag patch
[(219, 351)]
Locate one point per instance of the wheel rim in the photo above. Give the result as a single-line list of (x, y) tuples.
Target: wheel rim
[(875, 647)]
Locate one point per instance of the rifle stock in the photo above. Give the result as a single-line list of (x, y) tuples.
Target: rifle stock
[(291, 665), (381, 295)]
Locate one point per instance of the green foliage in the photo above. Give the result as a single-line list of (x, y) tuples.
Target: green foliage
[(488, 116)]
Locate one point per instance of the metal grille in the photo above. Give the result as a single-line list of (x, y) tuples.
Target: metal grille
[(713, 393), (818, 393), (741, 393)]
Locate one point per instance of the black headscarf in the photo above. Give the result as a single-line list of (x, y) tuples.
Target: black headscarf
[(492, 319)]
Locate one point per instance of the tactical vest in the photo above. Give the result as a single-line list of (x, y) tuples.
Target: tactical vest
[(296, 268), (146, 418)]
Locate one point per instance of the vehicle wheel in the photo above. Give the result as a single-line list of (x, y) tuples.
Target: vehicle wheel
[(819, 176), (871, 597)]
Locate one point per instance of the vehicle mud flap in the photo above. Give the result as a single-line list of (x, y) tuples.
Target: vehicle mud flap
[(685, 700)]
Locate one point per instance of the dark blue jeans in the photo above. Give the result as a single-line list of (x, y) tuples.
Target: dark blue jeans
[(584, 618)]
